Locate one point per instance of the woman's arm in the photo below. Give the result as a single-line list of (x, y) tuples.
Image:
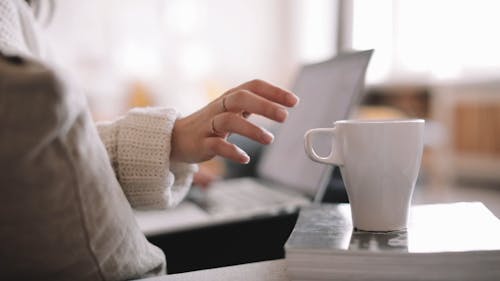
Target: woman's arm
[(138, 145), (150, 148)]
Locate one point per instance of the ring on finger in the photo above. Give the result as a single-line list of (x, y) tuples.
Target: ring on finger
[(214, 131)]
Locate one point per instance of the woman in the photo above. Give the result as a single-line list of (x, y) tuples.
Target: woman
[(150, 153)]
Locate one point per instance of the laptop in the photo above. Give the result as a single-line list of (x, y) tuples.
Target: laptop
[(287, 178)]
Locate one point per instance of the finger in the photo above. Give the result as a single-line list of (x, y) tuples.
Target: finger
[(270, 92), (228, 150), (203, 179), (246, 101), (235, 123)]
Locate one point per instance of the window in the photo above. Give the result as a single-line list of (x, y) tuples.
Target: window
[(429, 41)]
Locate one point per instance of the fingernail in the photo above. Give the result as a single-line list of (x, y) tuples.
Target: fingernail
[(245, 159), (267, 137), (281, 114), (293, 100)]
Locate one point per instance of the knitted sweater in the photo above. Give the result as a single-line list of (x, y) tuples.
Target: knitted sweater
[(138, 144)]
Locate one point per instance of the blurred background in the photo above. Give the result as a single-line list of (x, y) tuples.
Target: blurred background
[(437, 60)]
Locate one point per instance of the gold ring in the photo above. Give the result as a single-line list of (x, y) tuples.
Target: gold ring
[(214, 131)]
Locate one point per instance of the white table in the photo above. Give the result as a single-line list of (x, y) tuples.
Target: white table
[(262, 271)]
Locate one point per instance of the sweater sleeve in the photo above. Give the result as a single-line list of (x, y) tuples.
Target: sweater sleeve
[(138, 145)]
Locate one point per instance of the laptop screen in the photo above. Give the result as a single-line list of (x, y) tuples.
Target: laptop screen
[(327, 91)]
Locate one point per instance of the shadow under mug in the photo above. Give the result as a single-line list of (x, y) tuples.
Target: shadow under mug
[(379, 161)]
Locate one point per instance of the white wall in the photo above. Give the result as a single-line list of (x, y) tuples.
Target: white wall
[(187, 51)]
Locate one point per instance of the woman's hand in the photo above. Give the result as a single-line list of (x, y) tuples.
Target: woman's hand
[(203, 134)]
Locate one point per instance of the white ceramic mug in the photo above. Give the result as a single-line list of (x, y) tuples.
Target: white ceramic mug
[(379, 161)]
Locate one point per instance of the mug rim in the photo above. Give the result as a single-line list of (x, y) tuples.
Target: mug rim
[(380, 121)]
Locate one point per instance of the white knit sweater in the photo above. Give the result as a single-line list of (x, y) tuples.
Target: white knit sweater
[(138, 144)]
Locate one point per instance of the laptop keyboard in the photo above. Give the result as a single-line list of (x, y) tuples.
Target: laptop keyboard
[(246, 195)]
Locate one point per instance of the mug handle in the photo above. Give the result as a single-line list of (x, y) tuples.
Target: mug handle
[(333, 158)]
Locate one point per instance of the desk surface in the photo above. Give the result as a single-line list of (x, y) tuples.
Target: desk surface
[(265, 271)]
